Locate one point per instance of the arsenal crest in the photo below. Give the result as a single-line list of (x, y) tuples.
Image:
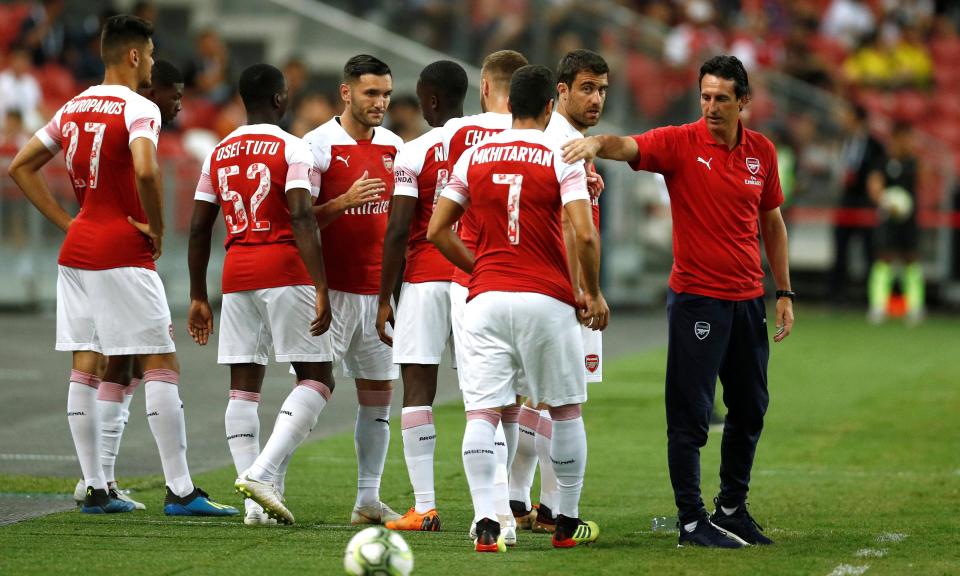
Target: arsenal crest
[(592, 362), (701, 329), (753, 165), (388, 162)]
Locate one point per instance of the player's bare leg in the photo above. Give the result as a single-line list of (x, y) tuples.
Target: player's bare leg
[(297, 417), (372, 438), (419, 446)]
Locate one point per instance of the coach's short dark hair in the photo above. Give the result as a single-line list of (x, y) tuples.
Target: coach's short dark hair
[(499, 66), (728, 68), (166, 74), (578, 61), (119, 32), (364, 64), (258, 84), (530, 89), (448, 78)]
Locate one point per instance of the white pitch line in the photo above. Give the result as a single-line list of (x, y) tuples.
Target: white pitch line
[(40, 457), (871, 553), (848, 570), (892, 537)]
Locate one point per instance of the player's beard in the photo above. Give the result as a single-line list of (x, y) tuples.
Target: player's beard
[(363, 117)]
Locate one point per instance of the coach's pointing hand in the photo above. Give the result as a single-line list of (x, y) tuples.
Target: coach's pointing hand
[(384, 315), (581, 149)]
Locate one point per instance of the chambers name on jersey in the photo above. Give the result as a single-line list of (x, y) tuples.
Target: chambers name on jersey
[(248, 174), (95, 129), (516, 184), (353, 243), (459, 135), (421, 171)]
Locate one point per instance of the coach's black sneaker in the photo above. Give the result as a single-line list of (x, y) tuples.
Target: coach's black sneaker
[(98, 501), (709, 535), (740, 523), (488, 536)]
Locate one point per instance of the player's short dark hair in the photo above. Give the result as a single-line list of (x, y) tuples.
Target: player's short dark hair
[(166, 74), (364, 64), (448, 79), (119, 32), (258, 84), (577, 61), (500, 66), (531, 88), (728, 68)]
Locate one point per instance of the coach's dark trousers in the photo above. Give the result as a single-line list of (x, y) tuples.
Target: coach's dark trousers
[(709, 337)]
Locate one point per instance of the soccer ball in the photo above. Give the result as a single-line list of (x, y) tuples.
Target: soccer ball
[(378, 551), (897, 202)]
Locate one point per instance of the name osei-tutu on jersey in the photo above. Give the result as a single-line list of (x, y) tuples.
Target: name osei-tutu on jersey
[(513, 154), (248, 147), (95, 105)]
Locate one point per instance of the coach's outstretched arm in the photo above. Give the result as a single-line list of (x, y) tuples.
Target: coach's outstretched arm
[(402, 209), (25, 171), (200, 315), (594, 312), (605, 146), (440, 232), (774, 233), (146, 170)]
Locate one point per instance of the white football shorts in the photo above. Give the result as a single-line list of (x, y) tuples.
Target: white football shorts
[(509, 335), (254, 321), (115, 312), (354, 337), (592, 354), (422, 328)]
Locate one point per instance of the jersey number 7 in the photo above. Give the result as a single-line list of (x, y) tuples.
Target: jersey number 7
[(515, 181)]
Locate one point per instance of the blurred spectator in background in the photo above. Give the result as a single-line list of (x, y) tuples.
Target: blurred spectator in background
[(208, 72), (148, 11), (14, 133), (848, 21), (893, 186), (403, 117), (861, 155), (44, 32), (911, 59), (871, 65), (696, 38), (311, 110), (19, 90), (297, 75), (82, 55), (497, 24), (801, 61)]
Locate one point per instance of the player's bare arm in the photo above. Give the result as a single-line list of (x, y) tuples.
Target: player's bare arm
[(25, 171), (200, 315), (306, 234), (595, 184), (150, 188), (402, 209), (363, 191), (440, 233), (605, 146), (570, 243), (774, 233), (595, 313)]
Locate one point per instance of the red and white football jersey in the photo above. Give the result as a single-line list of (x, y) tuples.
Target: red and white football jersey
[(560, 131), (459, 135), (421, 171), (516, 183), (96, 129), (248, 174), (353, 243)]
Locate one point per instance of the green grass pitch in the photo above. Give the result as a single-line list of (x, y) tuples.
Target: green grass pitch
[(858, 472)]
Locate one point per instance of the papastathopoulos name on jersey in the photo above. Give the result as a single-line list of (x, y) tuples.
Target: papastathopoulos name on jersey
[(513, 154), (380, 207), (95, 105)]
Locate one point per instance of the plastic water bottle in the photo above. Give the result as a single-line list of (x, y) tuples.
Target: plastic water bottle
[(664, 524)]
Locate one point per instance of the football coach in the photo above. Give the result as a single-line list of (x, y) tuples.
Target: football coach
[(724, 185)]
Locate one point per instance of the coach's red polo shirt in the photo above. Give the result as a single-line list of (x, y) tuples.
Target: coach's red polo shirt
[(716, 197)]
